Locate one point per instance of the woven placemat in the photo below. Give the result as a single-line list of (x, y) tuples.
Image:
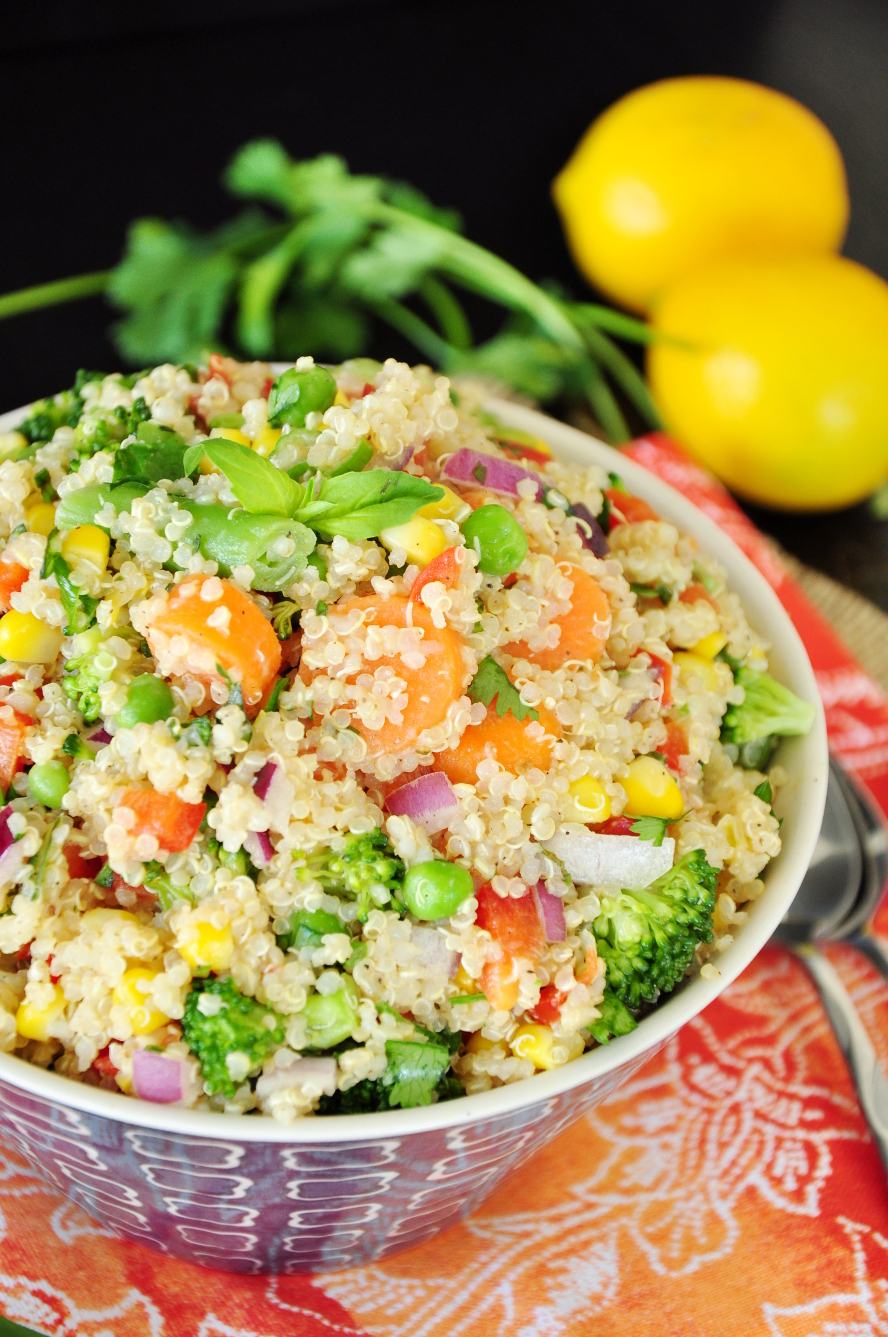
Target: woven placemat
[(862, 626)]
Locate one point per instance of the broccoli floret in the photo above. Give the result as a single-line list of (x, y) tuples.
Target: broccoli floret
[(648, 937), (62, 410), (80, 683), (241, 1026), (365, 869), (768, 712), (615, 1019)]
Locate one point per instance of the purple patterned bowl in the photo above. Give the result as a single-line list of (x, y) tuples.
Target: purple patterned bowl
[(249, 1195)]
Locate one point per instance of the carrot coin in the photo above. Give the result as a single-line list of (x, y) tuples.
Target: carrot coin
[(584, 629), (513, 743)]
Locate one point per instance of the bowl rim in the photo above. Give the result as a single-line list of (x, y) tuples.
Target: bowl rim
[(656, 1028)]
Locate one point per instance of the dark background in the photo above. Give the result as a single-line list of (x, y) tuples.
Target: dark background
[(112, 110)]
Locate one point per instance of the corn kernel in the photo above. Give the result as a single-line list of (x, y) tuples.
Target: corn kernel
[(536, 1043), (448, 507), (421, 539), (103, 915), (692, 666), (40, 518), (590, 799), (232, 434), (34, 1022), (479, 1044), (208, 946), (87, 543), (265, 442), (651, 790), (132, 995), (27, 640), (464, 982), (341, 400), (710, 645)]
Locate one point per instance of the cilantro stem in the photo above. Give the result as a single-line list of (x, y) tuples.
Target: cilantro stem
[(414, 328), (51, 294), (452, 320), (603, 404)]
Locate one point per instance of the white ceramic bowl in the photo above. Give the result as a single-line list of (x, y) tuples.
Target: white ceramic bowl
[(250, 1195)]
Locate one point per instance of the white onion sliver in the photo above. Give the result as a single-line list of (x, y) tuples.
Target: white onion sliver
[(11, 861), (320, 1072), (551, 912), (259, 847), (434, 953), (595, 860), (429, 801), (158, 1077)]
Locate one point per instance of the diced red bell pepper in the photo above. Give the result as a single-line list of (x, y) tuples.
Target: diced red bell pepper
[(515, 925), (615, 826), (548, 1009), (663, 670), (444, 567), (694, 593), (78, 864), (165, 816), (627, 508), (12, 742), (367, 390), (218, 367), (102, 1063), (12, 578), (676, 745), (24, 952)]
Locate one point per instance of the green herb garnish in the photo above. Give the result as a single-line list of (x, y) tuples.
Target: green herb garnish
[(491, 681)]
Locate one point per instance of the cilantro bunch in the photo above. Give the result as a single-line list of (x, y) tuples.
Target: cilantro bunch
[(337, 253)]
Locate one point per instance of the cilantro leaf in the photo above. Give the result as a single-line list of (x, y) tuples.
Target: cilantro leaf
[(650, 828), (413, 1071), (80, 608), (491, 681)]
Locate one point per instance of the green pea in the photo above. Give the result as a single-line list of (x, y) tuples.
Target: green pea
[(436, 890), (295, 394), (147, 699), (48, 783), (332, 1017), (497, 538)]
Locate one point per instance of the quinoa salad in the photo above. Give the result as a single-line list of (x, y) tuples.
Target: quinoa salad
[(355, 752)]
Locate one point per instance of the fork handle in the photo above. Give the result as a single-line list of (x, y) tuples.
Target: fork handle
[(869, 1080)]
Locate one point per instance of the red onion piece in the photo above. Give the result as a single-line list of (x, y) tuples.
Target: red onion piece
[(262, 783), (320, 1071), (593, 859), (429, 801), (402, 461), (551, 912), (489, 471), (259, 847), (434, 953), (591, 534), (6, 836), (100, 736), (158, 1077)]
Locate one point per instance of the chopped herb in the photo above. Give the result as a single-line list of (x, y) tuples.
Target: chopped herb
[(199, 732), (651, 828), (652, 592), (467, 998), (74, 746), (105, 877), (276, 692), (764, 792), (480, 472), (321, 608), (491, 681)]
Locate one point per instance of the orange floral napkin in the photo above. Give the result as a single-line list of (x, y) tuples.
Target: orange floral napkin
[(730, 1187)]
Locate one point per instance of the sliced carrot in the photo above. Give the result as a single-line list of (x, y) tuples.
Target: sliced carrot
[(628, 509), (443, 568), (165, 816), (694, 593), (583, 630), (515, 926), (12, 746), (499, 738), (12, 578), (477, 496), (590, 969), (430, 690), (246, 648)]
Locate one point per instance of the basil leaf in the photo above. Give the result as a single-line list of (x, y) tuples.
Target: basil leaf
[(157, 453), (260, 487), (360, 505), (192, 458)]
